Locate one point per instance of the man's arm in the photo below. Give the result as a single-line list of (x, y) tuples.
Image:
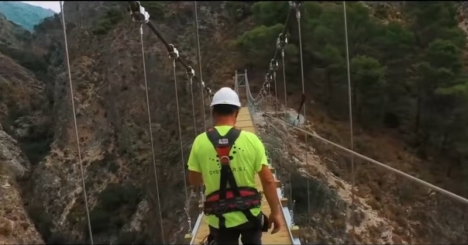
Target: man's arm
[(269, 189), (194, 177), (267, 179)]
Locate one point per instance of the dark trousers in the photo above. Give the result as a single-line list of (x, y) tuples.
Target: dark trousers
[(250, 234)]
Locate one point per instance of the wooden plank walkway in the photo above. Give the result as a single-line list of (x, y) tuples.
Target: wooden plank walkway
[(244, 121)]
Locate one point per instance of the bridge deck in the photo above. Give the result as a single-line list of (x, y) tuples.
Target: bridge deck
[(284, 236)]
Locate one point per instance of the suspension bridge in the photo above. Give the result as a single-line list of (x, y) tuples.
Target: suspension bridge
[(198, 231)]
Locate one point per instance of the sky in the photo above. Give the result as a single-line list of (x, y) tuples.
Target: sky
[(54, 5)]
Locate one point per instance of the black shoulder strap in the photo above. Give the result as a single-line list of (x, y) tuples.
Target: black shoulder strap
[(223, 144)]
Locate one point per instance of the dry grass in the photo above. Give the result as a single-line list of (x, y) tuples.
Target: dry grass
[(5, 228), (391, 198)]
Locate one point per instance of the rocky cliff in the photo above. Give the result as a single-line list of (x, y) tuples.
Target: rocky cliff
[(108, 85), (22, 116), (15, 225), (40, 172)]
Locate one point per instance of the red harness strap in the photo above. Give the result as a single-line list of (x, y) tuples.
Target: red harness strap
[(232, 198)]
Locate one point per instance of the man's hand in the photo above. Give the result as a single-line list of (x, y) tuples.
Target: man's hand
[(275, 221)]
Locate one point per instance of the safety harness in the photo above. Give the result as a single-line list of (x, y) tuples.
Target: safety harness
[(229, 197)]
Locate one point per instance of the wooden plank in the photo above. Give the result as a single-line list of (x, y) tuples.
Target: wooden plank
[(249, 129), (244, 124), (283, 236), (243, 120)]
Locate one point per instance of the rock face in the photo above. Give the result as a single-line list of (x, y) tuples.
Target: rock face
[(120, 177), (109, 94), (117, 171), (21, 101), (15, 225)]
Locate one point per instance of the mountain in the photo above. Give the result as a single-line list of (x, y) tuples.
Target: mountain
[(405, 62), (24, 14)]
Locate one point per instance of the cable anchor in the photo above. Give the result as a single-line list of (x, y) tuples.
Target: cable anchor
[(208, 90), (138, 12), (268, 77), (295, 4), (292, 5), (281, 41), (273, 65), (190, 73), (173, 52)]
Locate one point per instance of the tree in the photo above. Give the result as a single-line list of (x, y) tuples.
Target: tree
[(259, 43), (407, 71), (368, 77)]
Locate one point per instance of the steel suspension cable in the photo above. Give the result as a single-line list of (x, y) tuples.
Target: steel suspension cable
[(199, 64), (191, 74), (284, 79), (138, 13), (276, 93), (150, 123), (351, 138), (298, 17), (281, 44), (266, 85), (173, 56), (368, 159), (80, 160)]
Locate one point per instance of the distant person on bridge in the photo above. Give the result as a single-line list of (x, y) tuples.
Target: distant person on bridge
[(226, 160)]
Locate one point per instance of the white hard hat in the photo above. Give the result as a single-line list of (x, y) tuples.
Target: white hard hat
[(226, 96)]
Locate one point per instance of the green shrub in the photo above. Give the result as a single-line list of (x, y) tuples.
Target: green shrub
[(35, 63), (100, 220), (36, 143), (41, 219), (108, 21), (116, 205), (108, 162)]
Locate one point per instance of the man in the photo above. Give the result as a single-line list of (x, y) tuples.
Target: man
[(233, 204)]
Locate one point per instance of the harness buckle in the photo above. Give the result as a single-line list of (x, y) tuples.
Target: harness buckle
[(221, 207), (224, 159), (240, 204)]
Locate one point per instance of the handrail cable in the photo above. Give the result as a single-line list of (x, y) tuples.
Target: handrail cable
[(80, 160), (199, 63), (396, 171), (274, 67), (298, 17), (281, 41), (284, 78), (138, 13), (202, 85), (150, 123), (190, 74), (351, 138), (174, 55), (285, 29)]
